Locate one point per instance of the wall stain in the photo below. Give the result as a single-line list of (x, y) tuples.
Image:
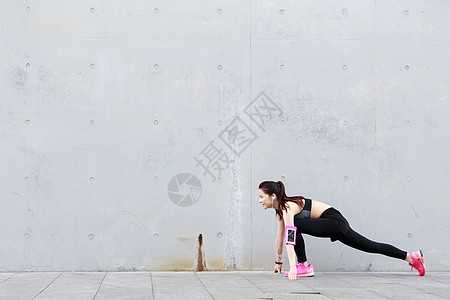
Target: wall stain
[(201, 261), (173, 265), (415, 212), (186, 240), (139, 221)]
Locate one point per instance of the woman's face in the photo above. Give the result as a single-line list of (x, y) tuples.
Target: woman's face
[(265, 200)]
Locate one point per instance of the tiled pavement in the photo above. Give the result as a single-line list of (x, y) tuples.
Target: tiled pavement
[(221, 285)]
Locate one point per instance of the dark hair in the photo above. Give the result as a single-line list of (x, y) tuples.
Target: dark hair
[(277, 188)]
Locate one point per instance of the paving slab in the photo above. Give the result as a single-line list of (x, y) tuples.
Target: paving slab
[(25, 285), (131, 285), (73, 285)]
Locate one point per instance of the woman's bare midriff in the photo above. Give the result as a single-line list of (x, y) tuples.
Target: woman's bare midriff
[(317, 208)]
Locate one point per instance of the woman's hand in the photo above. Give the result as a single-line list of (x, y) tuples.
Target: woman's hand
[(293, 274), (277, 268)]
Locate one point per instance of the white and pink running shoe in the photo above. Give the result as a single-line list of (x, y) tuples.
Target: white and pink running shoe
[(303, 271), (419, 263)]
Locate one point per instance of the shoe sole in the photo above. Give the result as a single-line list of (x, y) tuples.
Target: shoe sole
[(423, 262), (307, 275), (303, 275)]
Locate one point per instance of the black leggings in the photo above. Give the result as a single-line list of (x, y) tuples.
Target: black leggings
[(332, 228)]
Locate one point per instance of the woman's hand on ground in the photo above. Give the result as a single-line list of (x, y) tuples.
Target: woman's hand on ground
[(293, 274), (277, 268)]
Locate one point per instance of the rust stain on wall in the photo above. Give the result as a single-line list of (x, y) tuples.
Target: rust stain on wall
[(201, 261)]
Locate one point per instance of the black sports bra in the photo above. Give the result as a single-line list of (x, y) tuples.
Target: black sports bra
[(306, 211)]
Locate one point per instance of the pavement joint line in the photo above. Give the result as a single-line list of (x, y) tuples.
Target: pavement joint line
[(153, 290), (242, 275), (100, 286), (313, 289), (437, 295), (312, 292), (9, 277), (204, 285), (424, 291), (377, 293), (373, 291), (48, 285)]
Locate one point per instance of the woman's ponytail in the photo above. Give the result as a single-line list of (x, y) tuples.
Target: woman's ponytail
[(282, 191)]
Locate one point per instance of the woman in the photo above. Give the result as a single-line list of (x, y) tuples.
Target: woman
[(297, 215)]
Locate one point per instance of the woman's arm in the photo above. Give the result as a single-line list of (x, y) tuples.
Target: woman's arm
[(288, 218), (280, 240), (279, 247)]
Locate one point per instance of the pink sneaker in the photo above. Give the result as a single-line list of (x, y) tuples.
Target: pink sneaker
[(419, 263), (303, 271)]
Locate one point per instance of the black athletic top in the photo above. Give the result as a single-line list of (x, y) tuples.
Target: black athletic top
[(306, 211)]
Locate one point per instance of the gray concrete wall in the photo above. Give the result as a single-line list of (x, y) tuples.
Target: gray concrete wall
[(130, 128)]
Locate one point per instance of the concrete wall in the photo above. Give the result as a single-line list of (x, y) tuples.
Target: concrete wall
[(134, 134)]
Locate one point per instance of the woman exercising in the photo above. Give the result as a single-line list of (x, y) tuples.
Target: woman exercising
[(297, 215)]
